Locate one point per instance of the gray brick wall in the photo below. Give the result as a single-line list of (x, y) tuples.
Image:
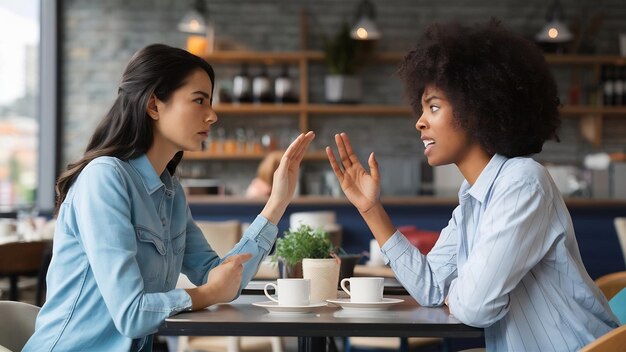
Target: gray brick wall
[(101, 36)]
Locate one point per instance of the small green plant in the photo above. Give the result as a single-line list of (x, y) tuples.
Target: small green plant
[(304, 242), (341, 52)]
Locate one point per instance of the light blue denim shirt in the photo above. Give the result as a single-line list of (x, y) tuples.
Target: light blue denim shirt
[(123, 235), (508, 261)]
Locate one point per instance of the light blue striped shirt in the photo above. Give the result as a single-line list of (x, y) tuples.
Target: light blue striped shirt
[(508, 261)]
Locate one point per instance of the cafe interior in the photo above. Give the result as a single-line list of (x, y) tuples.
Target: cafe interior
[(284, 67)]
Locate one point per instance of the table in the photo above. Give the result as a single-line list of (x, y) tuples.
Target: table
[(241, 318)]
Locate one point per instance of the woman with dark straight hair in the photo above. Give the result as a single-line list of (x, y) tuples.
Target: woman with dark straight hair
[(124, 230)]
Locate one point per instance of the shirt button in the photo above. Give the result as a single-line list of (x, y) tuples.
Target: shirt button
[(163, 222)]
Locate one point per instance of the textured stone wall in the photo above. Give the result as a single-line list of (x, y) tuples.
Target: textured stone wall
[(101, 36)]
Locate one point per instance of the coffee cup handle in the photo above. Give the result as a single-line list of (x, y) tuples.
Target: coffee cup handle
[(275, 290), (343, 286)]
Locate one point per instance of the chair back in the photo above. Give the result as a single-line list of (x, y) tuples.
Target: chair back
[(611, 284), (221, 235), (618, 306), (22, 258), (620, 228), (17, 324), (614, 340)]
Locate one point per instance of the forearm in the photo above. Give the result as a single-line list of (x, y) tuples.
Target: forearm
[(274, 210), (379, 223), (201, 297)]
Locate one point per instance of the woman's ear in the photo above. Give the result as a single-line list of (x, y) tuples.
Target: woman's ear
[(153, 111)]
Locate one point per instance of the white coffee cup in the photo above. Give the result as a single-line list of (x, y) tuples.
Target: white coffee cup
[(364, 289), (290, 292)]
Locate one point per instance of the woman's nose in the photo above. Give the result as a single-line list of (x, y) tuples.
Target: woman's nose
[(421, 123), (211, 117)]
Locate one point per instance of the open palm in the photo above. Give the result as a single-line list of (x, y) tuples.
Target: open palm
[(361, 188), (286, 175)]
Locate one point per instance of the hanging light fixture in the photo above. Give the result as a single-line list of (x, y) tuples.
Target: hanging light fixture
[(554, 31), (365, 27), (194, 20), (197, 23)]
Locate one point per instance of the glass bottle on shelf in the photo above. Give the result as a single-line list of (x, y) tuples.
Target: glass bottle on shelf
[(283, 87), (619, 86), (217, 145), (240, 137), (607, 85), (261, 87), (252, 143), (241, 86)]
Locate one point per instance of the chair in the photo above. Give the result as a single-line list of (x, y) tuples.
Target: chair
[(402, 344), (222, 237), (17, 324), (618, 306), (620, 228), (615, 340), (25, 259), (611, 284)]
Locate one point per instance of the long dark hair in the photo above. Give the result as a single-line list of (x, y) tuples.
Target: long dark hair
[(126, 130)]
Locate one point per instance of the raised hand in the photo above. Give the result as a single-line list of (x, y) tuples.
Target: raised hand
[(361, 188), (286, 177)]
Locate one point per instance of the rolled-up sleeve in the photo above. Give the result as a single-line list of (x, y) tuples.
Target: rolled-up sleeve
[(426, 277), (105, 230), (200, 258)]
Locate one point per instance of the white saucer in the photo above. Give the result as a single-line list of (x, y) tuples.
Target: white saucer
[(345, 303), (273, 307)]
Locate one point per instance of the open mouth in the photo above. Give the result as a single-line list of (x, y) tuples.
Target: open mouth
[(428, 142)]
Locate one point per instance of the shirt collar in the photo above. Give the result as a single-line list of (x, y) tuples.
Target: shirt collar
[(151, 181), (485, 180)]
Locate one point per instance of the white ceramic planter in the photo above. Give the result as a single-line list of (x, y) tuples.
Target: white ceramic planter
[(342, 89), (324, 276)]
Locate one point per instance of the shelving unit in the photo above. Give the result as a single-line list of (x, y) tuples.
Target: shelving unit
[(590, 117)]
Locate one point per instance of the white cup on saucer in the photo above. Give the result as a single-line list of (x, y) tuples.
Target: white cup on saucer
[(290, 292), (364, 289)]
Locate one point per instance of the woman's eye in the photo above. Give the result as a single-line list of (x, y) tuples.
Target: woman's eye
[(199, 101), (434, 108)]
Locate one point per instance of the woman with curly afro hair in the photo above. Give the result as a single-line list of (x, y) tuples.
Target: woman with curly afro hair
[(508, 261)]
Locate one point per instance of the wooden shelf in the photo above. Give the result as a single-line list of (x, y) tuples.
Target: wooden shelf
[(361, 109), (259, 109), (319, 155), (274, 57), (268, 57), (567, 59), (376, 109), (593, 110), (590, 117), (320, 109)]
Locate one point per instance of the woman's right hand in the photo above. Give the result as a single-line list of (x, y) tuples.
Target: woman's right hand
[(222, 284), (361, 188)]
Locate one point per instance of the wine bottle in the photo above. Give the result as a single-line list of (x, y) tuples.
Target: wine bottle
[(241, 86), (608, 91), (283, 87), (261, 87)]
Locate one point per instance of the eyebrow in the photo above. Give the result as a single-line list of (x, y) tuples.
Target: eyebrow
[(432, 97), (204, 94)]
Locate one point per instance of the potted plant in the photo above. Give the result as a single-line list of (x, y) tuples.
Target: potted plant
[(303, 242), (309, 253), (343, 57)]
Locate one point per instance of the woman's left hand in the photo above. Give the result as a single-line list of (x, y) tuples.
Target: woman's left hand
[(286, 178)]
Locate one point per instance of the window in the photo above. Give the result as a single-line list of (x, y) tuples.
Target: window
[(29, 103), (19, 97)]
